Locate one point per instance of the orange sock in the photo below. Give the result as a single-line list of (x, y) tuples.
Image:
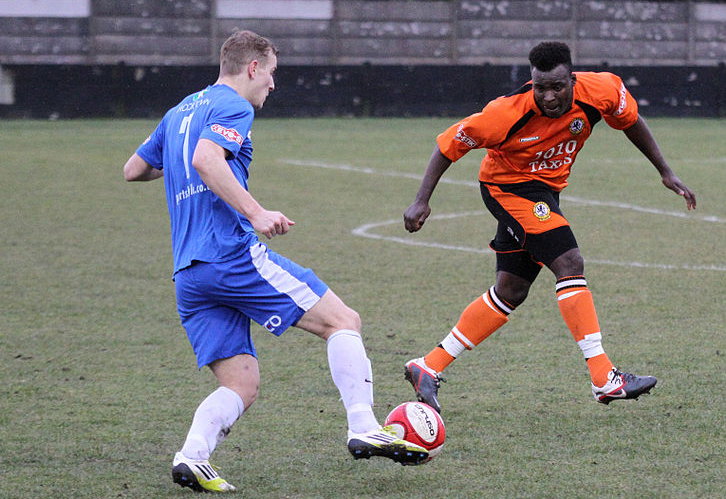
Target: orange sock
[(599, 366), (481, 318), (438, 359), (578, 311)]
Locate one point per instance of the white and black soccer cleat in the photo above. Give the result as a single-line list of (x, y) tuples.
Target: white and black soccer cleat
[(623, 386), (200, 476), (384, 442)]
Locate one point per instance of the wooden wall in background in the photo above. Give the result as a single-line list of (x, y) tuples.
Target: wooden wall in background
[(350, 32)]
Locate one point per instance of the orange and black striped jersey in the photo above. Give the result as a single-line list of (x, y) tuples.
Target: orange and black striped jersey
[(524, 145)]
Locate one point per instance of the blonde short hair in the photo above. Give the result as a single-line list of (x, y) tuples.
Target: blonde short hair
[(241, 48)]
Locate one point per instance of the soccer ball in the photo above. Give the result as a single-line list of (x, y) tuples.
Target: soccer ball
[(420, 424)]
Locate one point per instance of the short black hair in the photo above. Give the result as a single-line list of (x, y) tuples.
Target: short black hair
[(548, 55)]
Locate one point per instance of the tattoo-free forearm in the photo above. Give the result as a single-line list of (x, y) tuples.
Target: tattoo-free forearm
[(640, 135), (438, 164)]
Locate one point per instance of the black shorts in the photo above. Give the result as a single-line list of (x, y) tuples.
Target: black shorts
[(532, 229)]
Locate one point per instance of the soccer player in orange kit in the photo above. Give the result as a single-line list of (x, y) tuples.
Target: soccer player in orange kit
[(532, 137)]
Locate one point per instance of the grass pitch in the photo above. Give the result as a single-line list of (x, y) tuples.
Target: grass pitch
[(99, 383)]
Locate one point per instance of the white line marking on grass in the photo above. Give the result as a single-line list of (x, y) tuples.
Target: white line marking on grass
[(643, 209), (469, 183), (716, 159), (365, 229)]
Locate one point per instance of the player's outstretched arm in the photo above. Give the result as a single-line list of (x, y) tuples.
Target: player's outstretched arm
[(209, 161), (640, 135), (136, 169), (417, 213)]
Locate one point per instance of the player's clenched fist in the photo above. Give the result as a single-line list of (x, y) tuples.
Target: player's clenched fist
[(415, 216), (271, 223)]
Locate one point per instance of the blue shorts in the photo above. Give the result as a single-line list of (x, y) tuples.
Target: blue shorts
[(217, 300)]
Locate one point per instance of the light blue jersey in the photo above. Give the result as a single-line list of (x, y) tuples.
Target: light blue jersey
[(203, 227), (224, 276)]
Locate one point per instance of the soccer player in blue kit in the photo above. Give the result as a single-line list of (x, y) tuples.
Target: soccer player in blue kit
[(224, 276)]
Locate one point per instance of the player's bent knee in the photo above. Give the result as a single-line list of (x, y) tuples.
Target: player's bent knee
[(330, 314), (344, 318), (512, 288), (568, 264), (514, 296), (247, 392), (250, 397), (239, 373), (352, 320)]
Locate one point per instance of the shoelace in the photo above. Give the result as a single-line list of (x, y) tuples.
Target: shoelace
[(438, 377)]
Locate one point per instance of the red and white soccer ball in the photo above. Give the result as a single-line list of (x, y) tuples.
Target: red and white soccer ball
[(420, 424)]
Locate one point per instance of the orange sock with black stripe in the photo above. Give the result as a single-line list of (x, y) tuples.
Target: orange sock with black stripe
[(481, 318), (578, 310)]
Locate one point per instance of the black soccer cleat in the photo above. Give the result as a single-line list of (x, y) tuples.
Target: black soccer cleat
[(425, 382), (623, 386)]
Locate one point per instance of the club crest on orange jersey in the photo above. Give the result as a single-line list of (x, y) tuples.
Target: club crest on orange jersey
[(542, 211), (577, 126)]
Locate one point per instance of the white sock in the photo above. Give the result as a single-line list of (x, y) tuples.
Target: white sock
[(352, 374), (212, 421)]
